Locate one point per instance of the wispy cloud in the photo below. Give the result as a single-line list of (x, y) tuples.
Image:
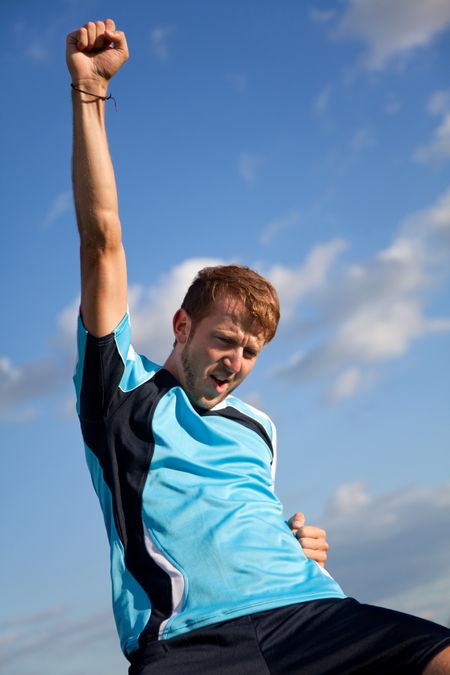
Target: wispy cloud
[(160, 41), (50, 632), (151, 312), (24, 383), (152, 308), (322, 15), (362, 139), (293, 284), (387, 550), (323, 99), (248, 166), (59, 205), (37, 52), (276, 226), (392, 29), (350, 382), (365, 313), (371, 312), (438, 148), (36, 617)]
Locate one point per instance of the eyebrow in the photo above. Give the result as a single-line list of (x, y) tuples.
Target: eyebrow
[(253, 346)]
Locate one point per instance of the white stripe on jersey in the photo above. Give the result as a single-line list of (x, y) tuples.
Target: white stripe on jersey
[(176, 577)]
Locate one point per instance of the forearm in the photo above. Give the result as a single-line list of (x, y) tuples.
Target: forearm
[(94, 183)]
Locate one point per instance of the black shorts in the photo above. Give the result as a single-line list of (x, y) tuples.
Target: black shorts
[(320, 637)]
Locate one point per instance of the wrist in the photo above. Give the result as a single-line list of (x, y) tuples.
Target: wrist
[(94, 86)]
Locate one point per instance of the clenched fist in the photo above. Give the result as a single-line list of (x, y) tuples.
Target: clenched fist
[(96, 51), (312, 539)]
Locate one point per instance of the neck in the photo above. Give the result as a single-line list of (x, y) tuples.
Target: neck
[(172, 365)]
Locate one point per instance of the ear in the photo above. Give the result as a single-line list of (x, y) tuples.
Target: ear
[(181, 326)]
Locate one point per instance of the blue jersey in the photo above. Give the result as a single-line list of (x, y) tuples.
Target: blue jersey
[(196, 532)]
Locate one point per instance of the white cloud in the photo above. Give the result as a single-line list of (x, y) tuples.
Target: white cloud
[(21, 384), (377, 552), (362, 138), (160, 38), (393, 29), (382, 332), (248, 166), (37, 52), (276, 226), (347, 384), (322, 15), (347, 499), (365, 313), (323, 100), (439, 147), (60, 204), (430, 223), (370, 312), (36, 617), (49, 633), (439, 102), (293, 284), (67, 321), (152, 309)]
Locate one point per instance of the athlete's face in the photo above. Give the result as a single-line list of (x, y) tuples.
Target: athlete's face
[(219, 353)]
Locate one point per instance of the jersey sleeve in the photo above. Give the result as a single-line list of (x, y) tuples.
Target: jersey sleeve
[(99, 370), (107, 368)]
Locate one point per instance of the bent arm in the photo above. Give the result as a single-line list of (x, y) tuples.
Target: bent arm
[(103, 265)]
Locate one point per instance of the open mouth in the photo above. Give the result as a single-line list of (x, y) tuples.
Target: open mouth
[(220, 382)]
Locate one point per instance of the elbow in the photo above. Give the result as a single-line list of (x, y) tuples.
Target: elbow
[(101, 233)]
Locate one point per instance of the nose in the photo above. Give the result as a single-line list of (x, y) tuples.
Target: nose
[(233, 360)]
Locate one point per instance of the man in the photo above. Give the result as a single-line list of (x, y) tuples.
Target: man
[(207, 576)]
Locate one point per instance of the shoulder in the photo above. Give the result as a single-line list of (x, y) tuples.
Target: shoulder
[(256, 414)]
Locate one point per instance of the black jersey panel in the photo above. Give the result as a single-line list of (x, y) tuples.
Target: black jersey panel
[(124, 445), (103, 369), (237, 416)]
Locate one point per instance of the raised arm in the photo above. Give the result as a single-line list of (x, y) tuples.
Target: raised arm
[(94, 54)]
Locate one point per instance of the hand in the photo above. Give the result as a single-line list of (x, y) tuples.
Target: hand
[(96, 51), (312, 539)]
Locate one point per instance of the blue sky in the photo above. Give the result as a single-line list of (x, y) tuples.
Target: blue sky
[(309, 140)]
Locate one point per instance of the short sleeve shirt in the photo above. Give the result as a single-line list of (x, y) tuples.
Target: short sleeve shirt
[(197, 534)]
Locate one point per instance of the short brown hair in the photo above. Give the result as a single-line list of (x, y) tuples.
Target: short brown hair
[(240, 282)]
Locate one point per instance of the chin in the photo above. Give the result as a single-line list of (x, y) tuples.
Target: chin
[(206, 403)]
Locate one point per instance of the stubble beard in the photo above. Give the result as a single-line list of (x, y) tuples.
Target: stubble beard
[(188, 372), (192, 390)]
